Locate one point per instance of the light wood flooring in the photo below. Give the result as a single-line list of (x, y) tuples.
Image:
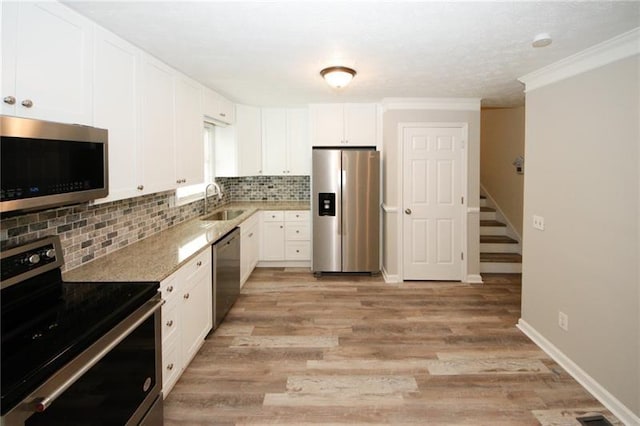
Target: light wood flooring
[(297, 350)]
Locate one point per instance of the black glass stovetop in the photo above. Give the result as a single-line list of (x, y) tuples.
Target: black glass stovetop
[(40, 337)]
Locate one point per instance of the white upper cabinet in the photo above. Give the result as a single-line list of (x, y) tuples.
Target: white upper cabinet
[(239, 147), (188, 143), (114, 108), (217, 107), (285, 140), (156, 126), (274, 140), (46, 62), (360, 124), (343, 124), (298, 145)]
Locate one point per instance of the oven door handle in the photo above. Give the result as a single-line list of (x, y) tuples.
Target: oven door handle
[(66, 377)]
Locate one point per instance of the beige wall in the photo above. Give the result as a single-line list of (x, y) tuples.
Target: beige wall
[(582, 176), (501, 141), (392, 176)]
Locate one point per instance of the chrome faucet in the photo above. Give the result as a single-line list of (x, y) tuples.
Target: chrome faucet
[(218, 192)]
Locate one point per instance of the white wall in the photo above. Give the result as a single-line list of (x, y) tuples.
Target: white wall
[(392, 175), (582, 176)]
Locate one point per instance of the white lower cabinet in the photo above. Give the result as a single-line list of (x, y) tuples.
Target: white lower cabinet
[(286, 236), (249, 246), (186, 316)]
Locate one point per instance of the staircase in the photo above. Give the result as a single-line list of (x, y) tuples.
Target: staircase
[(499, 253)]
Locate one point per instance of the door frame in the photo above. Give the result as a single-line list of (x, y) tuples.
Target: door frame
[(464, 127)]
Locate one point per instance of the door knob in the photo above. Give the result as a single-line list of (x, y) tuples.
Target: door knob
[(407, 211)]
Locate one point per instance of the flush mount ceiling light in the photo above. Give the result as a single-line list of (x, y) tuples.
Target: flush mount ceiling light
[(338, 77), (541, 40)]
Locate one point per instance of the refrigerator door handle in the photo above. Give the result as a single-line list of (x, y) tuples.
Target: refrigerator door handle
[(342, 222)]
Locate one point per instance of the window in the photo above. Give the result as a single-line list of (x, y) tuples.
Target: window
[(187, 194)]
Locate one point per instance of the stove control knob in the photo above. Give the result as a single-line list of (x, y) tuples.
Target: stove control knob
[(50, 254), (33, 259)]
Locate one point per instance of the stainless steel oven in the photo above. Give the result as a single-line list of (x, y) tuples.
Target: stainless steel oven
[(76, 353), (47, 164)]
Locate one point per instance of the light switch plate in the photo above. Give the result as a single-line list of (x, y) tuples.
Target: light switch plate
[(538, 222)]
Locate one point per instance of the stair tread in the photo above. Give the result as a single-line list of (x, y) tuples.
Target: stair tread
[(491, 223), (487, 209), (501, 257), (496, 239)]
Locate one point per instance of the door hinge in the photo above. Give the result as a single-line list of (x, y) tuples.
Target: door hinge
[(462, 256), (462, 200)]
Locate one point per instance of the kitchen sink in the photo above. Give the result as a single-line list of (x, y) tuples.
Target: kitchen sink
[(223, 215)]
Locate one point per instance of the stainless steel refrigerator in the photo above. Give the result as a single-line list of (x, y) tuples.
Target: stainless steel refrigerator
[(345, 187)]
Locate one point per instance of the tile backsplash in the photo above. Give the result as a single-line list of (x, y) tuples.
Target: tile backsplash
[(88, 232)]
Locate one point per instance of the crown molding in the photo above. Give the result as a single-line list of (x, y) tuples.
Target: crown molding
[(617, 48), (452, 104)]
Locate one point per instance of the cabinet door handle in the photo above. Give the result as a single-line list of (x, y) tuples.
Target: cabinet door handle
[(222, 114), (169, 289), (280, 226), (169, 323), (199, 263), (297, 251), (170, 366), (251, 235), (140, 187), (9, 100), (27, 103), (186, 296)]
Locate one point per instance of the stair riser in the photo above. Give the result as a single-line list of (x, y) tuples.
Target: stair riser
[(500, 268), (483, 202), (498, 248), (488, 216), (493, 230)]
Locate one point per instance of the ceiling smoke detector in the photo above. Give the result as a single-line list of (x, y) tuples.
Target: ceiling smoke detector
[(541, 40), (338, 76)]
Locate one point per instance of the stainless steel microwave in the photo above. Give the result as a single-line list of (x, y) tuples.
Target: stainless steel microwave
[(47, 164)]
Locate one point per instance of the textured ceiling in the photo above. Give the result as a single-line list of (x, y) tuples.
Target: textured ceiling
[(270, 53)]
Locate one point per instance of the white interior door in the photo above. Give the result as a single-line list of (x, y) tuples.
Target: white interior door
[(432, 199)]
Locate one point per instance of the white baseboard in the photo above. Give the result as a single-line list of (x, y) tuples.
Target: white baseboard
[(388, 278), (474, 279), (590, 384)]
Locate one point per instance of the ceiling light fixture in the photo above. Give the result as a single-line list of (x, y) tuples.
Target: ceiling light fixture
[(541, 40), (338, 77)]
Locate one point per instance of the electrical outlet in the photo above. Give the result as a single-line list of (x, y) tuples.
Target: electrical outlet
[(538, 222), (563, 321)]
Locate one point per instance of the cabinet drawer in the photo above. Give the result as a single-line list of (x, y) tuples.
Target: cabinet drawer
[(273, 216), (297, 250), (169, 321), (171, 367), (296, 215), (296, 231), (245, 227), (202, 260), (168, 288)]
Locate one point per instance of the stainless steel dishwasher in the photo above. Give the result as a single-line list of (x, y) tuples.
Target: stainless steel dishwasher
[(226, 275)]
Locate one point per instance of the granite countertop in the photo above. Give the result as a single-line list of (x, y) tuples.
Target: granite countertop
[(158, 256)]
